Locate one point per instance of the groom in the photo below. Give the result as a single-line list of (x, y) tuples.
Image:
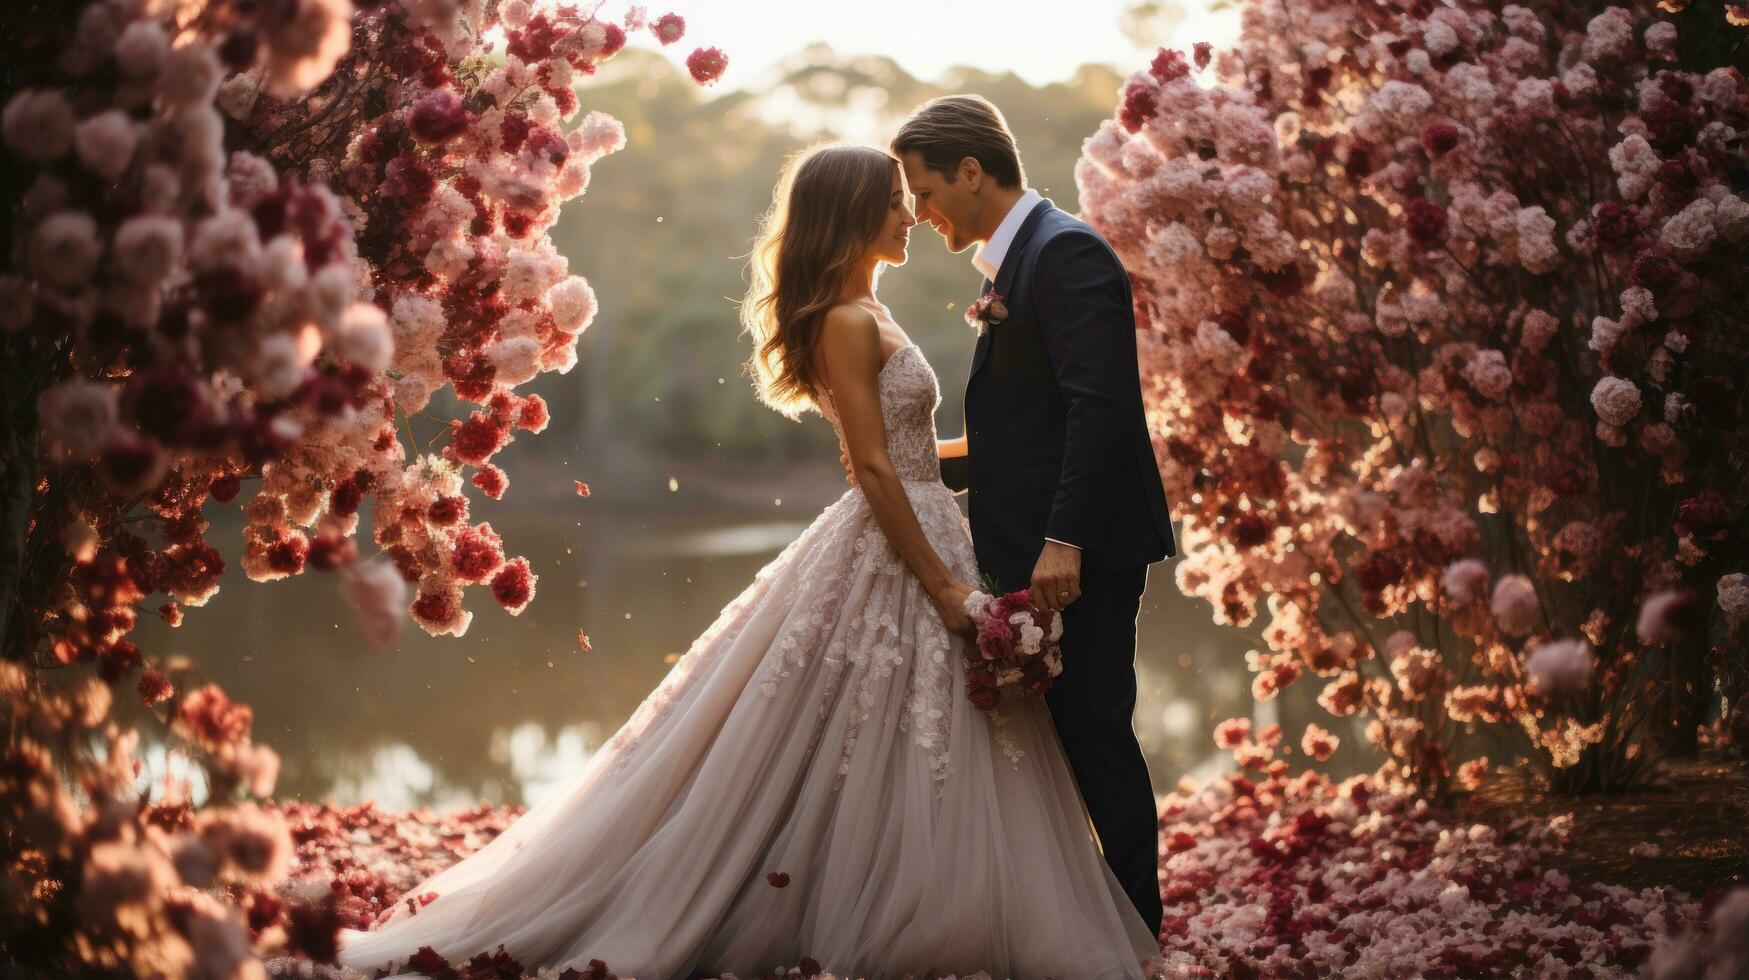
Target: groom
[(1065, 495)]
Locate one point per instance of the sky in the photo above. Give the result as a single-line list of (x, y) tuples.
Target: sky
[(1039, 41)]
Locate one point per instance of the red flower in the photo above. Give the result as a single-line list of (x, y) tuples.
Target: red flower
[(778, 879), (224, 489), (210, 718), (1168, 65), (434, 607), (346, 497), (707, 65), (1654, 269), (288, 553), (1425, 221), (438, 117), (582, 488), (476, 440), (1139, 106), (533, 415), (669, 28), (1613, 223), (1704, 515), (331, 551), (491, 481), (1439, 138), (172, 614), (445, 511), (513, 586), (614, 41), (155, 688), (1180, 842), (478, 552)]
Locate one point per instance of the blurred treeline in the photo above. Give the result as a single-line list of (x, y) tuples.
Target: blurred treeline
[(665, 227)]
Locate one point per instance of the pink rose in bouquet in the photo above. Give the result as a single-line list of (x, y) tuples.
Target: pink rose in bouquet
[(1018, 646)]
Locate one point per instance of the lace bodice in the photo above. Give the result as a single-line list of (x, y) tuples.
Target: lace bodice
[(910, 395)]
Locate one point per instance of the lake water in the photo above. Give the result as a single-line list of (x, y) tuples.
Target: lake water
[(505, 713)]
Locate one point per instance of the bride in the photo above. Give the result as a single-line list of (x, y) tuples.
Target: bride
[(809, 780)]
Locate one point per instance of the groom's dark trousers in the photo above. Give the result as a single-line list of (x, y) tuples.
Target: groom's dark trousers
[(1058, 448)]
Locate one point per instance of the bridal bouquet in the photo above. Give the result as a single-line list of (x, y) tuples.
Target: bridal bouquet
[(1018, 646)]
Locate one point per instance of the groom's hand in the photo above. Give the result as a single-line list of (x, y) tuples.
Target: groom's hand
[(1056, 578)]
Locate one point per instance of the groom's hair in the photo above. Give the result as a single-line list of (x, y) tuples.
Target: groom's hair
[(949, 129)]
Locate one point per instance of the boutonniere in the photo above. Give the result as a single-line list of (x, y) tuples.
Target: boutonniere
[(986, 311)]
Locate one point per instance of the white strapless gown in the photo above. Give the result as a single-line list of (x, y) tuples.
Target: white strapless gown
[(817, 729)]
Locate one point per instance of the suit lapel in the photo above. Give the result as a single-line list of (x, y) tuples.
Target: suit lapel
[(1005, 276)]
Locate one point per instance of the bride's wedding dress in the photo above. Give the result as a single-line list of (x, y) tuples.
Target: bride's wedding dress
[(817, 731)]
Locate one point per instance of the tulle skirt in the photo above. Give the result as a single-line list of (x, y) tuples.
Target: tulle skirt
[(808, 780)]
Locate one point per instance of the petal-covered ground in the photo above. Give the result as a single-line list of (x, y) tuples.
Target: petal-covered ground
[(1279, 877)]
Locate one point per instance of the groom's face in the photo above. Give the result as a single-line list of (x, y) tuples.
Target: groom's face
[(950, 208)]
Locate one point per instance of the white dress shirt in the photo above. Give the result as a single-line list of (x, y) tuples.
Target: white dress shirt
[(988, 256)]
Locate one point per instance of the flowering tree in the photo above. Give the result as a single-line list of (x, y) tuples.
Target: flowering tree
[(1445, 353), (249, 243)]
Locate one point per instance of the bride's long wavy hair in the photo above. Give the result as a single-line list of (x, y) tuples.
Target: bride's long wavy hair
[(830, 203)]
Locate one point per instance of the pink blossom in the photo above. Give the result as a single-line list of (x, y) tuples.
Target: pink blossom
[(364, 337), (141, 49), (1515, 605), (148, 248), (573, 304), (1318, 743), (78, 415), (1669, 616), (1616, 400), (1561, 666), (38, 125), (669, 28), (105, 143), (190, 76), (64, 249)]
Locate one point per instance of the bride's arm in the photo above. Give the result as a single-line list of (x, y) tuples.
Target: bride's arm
[(850, 353), (954, 448)]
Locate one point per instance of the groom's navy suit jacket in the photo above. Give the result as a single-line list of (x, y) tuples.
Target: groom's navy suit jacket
[(1057, 442)]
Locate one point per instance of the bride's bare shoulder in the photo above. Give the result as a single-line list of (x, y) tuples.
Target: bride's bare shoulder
[(849, 334)]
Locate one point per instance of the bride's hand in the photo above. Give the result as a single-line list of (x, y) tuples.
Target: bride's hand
[(950, 601)]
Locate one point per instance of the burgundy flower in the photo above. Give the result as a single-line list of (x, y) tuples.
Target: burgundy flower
[(1425, 221), (534, 42), (476, 440), (1203, 52), (1705, 515), (434, 607), (491, 481), (1439, 138), (707, 65), (224, 489), (1168, 65), (478, 552), (287, 554), (448, 510), (1614, 224), (1654, 269), (1139, 106), (438, 117), (344, 499), (513, 585), (533, 415)]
